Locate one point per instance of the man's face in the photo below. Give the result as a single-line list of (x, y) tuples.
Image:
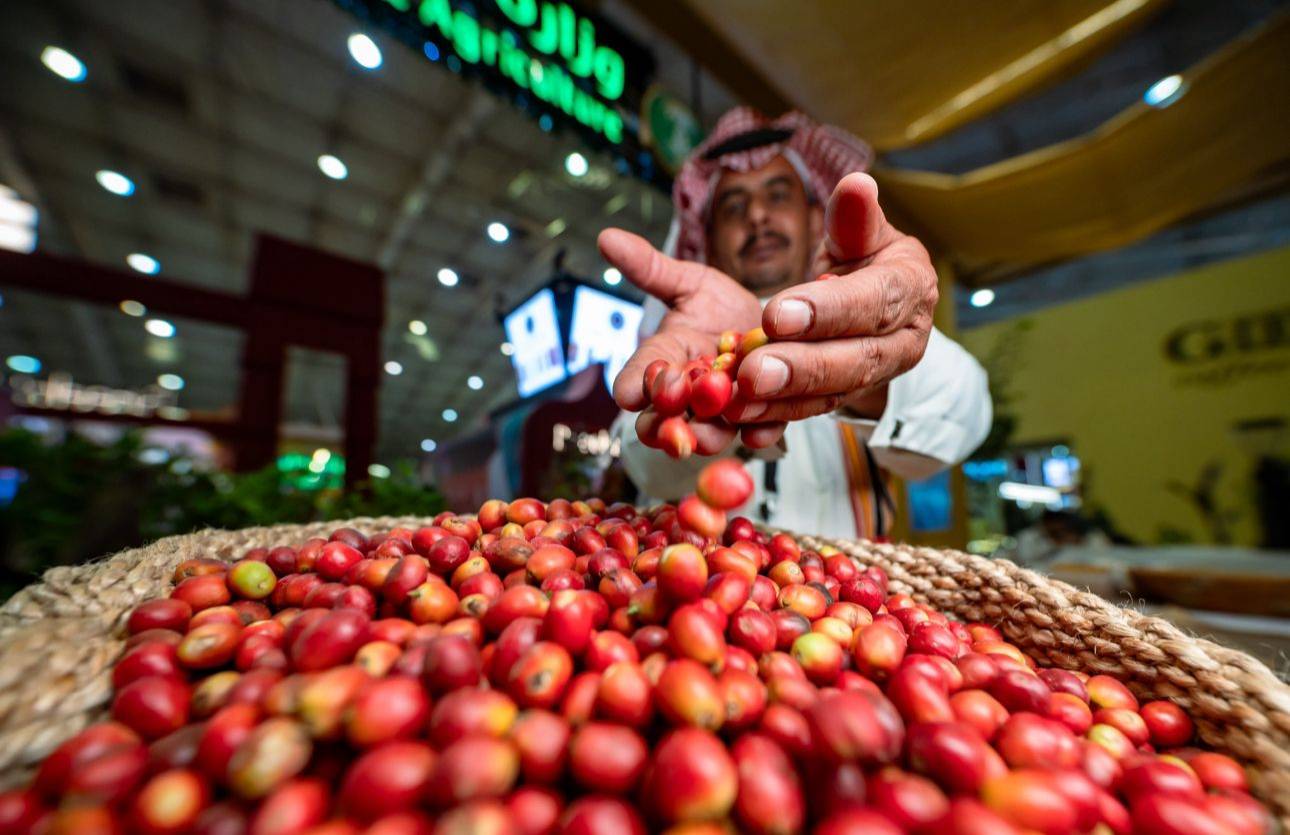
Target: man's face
[(762, 229)]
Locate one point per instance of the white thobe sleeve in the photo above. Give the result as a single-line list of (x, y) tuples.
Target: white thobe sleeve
[(937, 413)]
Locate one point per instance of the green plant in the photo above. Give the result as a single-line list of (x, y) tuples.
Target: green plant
[(78, 500)]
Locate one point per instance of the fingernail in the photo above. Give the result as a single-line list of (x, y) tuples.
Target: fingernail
[(792, 317), (753, 411), (771, 378)]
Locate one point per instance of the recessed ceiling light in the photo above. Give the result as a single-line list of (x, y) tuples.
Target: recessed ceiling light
[(333, 167), (14, 210), (115, 182), (475, 382), (428, 445), (498, 232), (17, 238), (170, 382), (450, 415), (448, 277), (393, 368), (576, 164), (507, 349), (1164, 92), (130, 307), (364, 51), (982, 298), (613, 277), (63, 63), (417, 327), (159, 328), (23, 364), (143, 263)]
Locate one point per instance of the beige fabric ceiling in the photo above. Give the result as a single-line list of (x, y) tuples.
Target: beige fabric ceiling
[(901, 73), (1227, 134), (898, 72)]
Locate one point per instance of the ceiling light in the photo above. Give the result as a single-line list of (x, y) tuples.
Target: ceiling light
[(448, 277), (378, 471), (15, 210), (17, 238), (170, 382), (1164, 92), (130, 307), (159, 328), (63, 63), (23, 364), (982, 298), (393, 368), (143, 263), (475, 382), (428, 445), (576, 164), (613, 277), (450, 415), (364, 51), (417, 327), (332, 167), (115, 182), (498, 232), (508, 349)]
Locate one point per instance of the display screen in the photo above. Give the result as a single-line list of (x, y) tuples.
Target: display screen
[(1062, 473), (605, 330), (534, 332)]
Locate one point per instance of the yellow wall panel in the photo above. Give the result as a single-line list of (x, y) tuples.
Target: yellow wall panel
[(1149, 383)]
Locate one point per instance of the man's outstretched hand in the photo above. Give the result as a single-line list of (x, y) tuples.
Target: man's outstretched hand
[(836, 341), (702, 302), (840, 340)]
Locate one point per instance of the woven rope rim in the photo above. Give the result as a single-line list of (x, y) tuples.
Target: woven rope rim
[(61, 636)]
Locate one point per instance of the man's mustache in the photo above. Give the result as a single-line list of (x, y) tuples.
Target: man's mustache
[(754, 240)]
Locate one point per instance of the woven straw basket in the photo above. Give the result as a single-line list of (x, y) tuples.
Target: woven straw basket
[(59, 639)]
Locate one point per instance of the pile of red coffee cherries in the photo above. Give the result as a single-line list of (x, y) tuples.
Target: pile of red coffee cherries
[(568, 667), (702, 388)]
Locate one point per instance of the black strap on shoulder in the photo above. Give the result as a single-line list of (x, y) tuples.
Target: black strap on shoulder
[(882, 498), (770, 488)]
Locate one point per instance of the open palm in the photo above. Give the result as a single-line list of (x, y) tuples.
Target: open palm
[(702, 302)]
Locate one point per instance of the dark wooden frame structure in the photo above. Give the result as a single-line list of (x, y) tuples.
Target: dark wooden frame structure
[(298, 296)]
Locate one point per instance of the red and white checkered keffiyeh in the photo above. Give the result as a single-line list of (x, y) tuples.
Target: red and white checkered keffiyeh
[(821, 154)]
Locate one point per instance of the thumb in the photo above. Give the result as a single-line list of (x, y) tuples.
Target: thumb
[(662, 277), (854, 224)]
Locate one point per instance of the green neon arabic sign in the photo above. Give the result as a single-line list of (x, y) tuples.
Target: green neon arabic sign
[(561, 48)]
